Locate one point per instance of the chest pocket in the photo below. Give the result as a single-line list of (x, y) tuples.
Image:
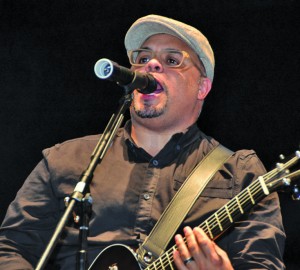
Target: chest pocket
[(220, 186)]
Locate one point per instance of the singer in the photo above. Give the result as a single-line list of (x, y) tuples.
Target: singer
[(148, 162)]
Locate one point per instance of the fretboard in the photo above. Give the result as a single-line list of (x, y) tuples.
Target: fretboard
[(231, 212), (221, 220)]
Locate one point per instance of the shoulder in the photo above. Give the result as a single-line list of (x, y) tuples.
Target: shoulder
[(240, 160), (246, 159), (71, 147), (70, 157), (245, 167)]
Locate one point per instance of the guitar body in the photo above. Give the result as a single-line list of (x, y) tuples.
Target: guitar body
[(116, 257)]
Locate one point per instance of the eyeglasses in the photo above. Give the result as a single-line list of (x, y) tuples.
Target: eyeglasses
[(168, 58)]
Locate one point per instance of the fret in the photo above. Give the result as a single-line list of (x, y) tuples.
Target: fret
[(228, 213), (250, 195), (218, 220), (161, 262), (170, 263), (239, 205), (263, 185), (209, 230)]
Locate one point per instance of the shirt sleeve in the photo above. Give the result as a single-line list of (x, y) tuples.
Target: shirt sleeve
[(29, 222), (34, 214), (257, 241)]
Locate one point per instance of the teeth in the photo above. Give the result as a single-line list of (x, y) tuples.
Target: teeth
[(155, 92), (158, 90)]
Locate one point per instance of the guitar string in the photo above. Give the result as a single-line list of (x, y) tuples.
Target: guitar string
[(252, 189), (243, 196), (162, 261), (165, 258), (222, 215)]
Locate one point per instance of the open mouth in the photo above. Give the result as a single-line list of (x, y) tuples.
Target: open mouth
[(158, 90)]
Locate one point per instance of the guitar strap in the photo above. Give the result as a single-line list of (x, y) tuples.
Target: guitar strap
[(165, 228)]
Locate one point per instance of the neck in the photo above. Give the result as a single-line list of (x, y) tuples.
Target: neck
[(152, 141)]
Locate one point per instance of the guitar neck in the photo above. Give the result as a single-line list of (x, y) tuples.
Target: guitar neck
[(214, 226), (221, 220), (224, 218)]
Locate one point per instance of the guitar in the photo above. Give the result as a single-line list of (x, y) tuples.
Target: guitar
[(121, 257)]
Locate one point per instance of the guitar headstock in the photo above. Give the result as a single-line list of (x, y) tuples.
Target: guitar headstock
[(282, 178)]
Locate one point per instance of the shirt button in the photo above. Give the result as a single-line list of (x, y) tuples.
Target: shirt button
[(178, 147), (155, 162), (146, 196)]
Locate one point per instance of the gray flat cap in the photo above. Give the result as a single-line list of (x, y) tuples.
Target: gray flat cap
[(150, 25)]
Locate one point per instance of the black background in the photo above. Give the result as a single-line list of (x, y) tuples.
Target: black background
[(49, 92)]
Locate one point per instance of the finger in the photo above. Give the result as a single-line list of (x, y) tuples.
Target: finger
[(195, 249), (182, 257), (224, 257), (192, 242), (207, 246), (182, 248), (177, 260)]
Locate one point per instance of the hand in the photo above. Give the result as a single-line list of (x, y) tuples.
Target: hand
[(199, 252)]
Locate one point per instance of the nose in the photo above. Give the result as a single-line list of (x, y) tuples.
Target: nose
[(154, 66)]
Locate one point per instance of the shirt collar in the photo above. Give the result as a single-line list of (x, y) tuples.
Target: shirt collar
[(168, 153)]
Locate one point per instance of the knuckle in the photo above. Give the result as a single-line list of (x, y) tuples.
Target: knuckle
[(205, 242)]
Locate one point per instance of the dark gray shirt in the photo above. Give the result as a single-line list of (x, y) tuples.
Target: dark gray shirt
[(130, 190)]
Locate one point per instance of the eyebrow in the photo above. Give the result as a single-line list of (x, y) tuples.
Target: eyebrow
[(147, 48)]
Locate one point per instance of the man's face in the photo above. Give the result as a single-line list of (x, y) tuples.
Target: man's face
[(177, 101)]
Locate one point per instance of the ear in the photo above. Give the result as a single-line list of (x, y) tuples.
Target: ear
[(204, 87)]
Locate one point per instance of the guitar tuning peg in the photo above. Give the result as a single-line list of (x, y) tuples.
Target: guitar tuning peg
[(296, 193), (282, 157)]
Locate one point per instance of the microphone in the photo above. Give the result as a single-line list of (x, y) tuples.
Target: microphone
[(107, 69)]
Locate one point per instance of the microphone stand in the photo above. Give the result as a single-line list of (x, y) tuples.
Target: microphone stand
[(80, 192), (85, 211)]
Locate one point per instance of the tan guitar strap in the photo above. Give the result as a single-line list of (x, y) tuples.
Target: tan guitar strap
[(165, 228)]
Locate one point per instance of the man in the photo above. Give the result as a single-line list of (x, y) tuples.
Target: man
[(148, 161)]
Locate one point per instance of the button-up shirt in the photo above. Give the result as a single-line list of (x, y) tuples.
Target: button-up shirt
[(130, 190)]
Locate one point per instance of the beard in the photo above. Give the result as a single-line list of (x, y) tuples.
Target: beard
[(149, 111)]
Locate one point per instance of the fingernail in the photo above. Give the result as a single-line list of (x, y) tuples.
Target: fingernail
[(187, 229)]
